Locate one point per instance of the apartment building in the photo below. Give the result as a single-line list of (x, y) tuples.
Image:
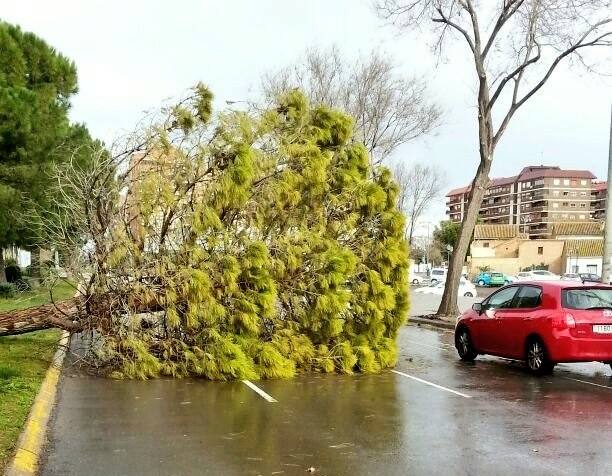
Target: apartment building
[(535, 199), (599, 194)]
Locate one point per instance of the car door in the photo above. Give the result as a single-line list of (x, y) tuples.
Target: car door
[(514, 323), (485, 326)]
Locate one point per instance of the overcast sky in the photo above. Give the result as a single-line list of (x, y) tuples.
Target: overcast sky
[(131, 55)]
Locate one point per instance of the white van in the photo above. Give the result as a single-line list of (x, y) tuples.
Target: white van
[(437, 275)]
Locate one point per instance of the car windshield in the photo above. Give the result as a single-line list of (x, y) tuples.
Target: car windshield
[(437, 271), (587, 298)]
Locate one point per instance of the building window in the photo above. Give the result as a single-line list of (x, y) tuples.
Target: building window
[(582, 217), (566, 182), (485, 244), (583, 194), (592, 268), (556, 181), (555, 193), (574, 183), (555, 204), (572, 205), (540, 250), (565, 204), (564, 215), (583, 182), (565, 193), (583, 205)]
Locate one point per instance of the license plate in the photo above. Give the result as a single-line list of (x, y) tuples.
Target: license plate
[(602, 329)]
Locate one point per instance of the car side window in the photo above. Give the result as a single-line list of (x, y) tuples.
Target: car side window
[(528, 297), (502, 299)]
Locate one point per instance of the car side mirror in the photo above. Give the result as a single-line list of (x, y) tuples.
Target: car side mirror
[(477, 306)]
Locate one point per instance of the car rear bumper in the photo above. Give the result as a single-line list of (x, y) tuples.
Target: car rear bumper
[(567, 348)]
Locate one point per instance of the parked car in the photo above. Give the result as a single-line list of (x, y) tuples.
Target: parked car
[(538, 275), (571, 277), (466, 288), (415, 278), (543, 323), (491, 279), (590, 278), (437, 275)]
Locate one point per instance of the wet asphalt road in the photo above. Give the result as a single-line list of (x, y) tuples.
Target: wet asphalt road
[(501, 421)]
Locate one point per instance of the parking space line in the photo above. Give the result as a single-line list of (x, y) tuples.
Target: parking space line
[(259, 391), (439, 387), (588, 383)]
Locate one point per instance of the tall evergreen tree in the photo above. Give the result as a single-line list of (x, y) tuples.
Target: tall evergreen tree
[(36, 83)]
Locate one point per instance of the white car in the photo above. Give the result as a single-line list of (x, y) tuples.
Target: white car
[(537, 275), (437, 275), (466, 289), (415, 279)]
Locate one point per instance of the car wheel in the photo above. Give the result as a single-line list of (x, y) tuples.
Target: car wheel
[(468, 294), (463, 344), (481, 283), (415, 281), (537, 357), (506, 282), (434, 281)]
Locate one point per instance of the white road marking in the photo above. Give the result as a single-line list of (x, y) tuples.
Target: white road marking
[(440, 387), (588, 383), (259, 391)]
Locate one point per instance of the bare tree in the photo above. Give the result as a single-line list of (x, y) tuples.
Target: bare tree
[(419, 186), (389, 110), (516, 46)]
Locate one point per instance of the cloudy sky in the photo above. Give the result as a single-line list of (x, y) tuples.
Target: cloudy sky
[(131, 55)]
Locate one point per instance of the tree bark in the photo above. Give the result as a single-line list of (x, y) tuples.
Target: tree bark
[(486, 147), (448, 305), (61, 315), (2, 267), (73, 315)]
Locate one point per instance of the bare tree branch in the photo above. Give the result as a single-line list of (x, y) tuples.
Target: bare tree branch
[(389, 110)]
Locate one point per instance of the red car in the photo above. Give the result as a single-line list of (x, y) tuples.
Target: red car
[(543, 323)]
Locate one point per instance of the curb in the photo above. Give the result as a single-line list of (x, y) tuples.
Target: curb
[(421, 321), (32, 438)]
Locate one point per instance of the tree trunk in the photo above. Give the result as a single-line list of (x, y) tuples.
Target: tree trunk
[(73, 315), (448, 305), (35, 264), (61, 315), (2, 267)]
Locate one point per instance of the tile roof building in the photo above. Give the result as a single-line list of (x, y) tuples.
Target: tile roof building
[(535, 199)]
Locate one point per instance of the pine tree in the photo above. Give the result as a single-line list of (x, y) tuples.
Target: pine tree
[(264, 241), (36, 84)]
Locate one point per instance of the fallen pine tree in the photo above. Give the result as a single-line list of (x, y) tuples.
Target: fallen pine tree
[(63, 315), (247, 245)]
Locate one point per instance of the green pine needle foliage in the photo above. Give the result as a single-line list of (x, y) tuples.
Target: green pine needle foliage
[(267, 240)]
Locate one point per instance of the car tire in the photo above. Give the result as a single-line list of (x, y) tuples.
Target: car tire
[(481, 283), (463, 344), (506, 283), (536, 357), (415, 281), (468, 294), (434, 281)]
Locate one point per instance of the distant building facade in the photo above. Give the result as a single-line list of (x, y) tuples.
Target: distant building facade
[(535, 199), (572, 247)]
